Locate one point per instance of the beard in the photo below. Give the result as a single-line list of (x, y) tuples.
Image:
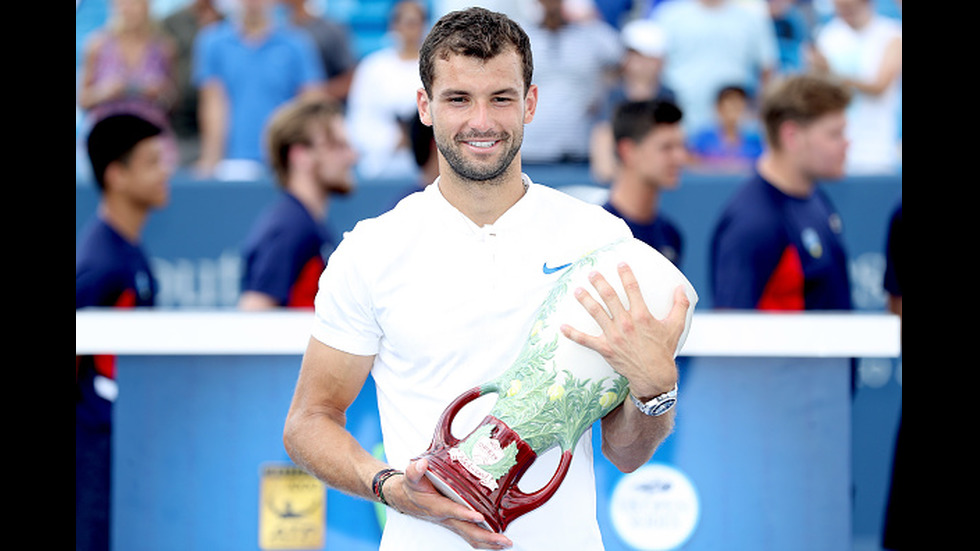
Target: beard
[(334, 184), (475, 171)]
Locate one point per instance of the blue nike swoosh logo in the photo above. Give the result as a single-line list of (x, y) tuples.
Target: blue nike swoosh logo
[(548, 270)]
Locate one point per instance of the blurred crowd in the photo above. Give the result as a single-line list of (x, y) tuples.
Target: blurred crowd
[(211, 72)]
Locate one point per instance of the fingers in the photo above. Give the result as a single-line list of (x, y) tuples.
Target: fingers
[(632, 288), (608, 295), (428, 504), (678, 312), (431, 504), (604, 317), (416, 470)]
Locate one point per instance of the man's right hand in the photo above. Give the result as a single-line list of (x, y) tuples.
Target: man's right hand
[(414, 495)]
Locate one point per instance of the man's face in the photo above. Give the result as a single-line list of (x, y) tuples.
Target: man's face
[(641, 66), (821, 147), (731, 109), (851, 11), (660, 156), (333, 158), (145, 176), (409, 25), (478, 110)]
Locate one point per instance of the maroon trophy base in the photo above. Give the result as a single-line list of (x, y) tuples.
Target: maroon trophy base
[(498, 500)]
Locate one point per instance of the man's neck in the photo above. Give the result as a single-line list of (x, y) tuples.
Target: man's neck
[(641, 88), (312, 196), (860, 20), (781, 173), (127, 220), (483, 202), (635, 200), (254, 24)]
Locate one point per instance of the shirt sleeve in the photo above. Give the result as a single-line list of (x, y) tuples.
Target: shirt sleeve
[(311, 67), (272, 266), (743, 256), (344, 312), (203, 60)]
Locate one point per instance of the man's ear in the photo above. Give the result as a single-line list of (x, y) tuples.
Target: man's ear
[(624, 149), (115, 172), (422, 100), (530, 103), (298, 154), (789, 135)]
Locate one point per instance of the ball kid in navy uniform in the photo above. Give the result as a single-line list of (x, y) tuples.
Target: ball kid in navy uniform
[(778, 242), (132, 168), (288, 246)]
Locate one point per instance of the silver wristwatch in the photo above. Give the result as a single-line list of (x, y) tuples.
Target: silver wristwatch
[(658, 405)]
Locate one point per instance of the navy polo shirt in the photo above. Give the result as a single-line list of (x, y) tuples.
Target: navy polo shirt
[(773, 251)]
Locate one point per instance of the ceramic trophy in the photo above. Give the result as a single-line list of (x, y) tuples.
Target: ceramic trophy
[(552, 393)]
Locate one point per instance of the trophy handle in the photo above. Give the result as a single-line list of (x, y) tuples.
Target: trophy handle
[(443, 435), (515, 502)]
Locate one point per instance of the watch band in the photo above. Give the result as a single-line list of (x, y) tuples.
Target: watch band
[(658, 405)]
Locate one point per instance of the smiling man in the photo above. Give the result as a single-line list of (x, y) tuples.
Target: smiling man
[(438, 295)]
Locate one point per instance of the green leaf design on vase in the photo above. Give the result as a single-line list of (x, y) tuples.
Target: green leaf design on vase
[(545, 404)]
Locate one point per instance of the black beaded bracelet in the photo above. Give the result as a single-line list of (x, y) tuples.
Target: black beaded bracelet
[(377, 485)]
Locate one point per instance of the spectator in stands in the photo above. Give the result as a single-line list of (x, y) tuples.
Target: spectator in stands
[(382, 98), (650, 147), (182, 26), (333, 44), (574, 60), (128, 67), (731, 143), (778, 243), (639, 79), (713, 43), (246, 67), (287, 248), (864, 50), (131, 170)]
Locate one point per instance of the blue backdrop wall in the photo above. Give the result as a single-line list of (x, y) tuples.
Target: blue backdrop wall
[(195, 242)]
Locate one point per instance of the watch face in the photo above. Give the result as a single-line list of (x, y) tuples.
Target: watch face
[(662, 407)]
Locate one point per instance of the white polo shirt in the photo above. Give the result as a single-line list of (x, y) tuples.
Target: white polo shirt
[(445, 305)]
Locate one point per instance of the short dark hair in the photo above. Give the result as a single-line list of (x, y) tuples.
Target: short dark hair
[(731, 90), (635, 119), (801, 98), (113, 139), (474, 32)]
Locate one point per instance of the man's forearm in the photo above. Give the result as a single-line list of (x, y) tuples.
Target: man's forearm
[(212, 118), (629, 437), (319, 443), (315, 434)]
